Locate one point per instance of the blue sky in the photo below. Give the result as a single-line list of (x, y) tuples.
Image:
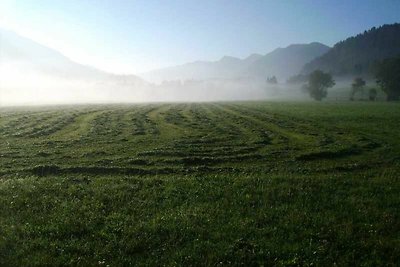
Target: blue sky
[(135, 36)]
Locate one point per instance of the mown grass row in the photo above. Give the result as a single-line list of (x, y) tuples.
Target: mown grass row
[(243, 184), (185, 134)]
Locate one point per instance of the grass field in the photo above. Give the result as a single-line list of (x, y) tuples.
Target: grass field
[(218, 184)]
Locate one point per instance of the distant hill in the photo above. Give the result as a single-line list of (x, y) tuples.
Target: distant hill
[(31, 73), (285, 62), (357, 55), (282, 62), (19, 52), (225, 68)]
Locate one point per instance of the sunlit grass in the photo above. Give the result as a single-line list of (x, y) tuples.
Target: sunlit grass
[(200, 184)]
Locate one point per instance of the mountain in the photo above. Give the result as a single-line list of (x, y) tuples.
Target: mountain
[(285, 62), (31, 72), (282, 62), (16, 50), (357, 55), (225, 68)]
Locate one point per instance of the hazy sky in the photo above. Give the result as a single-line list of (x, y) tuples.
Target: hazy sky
[(134, 36)]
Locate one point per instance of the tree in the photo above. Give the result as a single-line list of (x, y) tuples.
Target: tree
[(372, 94), (357, 86), (388, 77), (272, 80), (318, 84)]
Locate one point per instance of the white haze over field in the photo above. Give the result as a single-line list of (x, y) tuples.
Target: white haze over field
[(32, 74), (281, 62)]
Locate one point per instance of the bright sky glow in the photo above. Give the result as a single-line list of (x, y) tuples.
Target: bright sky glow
[(135, 36)]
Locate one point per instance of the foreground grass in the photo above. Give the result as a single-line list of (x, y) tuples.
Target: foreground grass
[(201, 184)]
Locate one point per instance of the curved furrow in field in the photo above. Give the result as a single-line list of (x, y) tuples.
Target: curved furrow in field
[(136, 121), (196, 115), (247, 132), (25, 125), (325, 132), (289, 123), (107, 125), (189, 114), (199, 117), (6, 116), (57, 123), (100, 126), (78, 128), (321, 142), (115, 125), (269, 126), (127, 125), (216, 141), (320, 135), (16, 122), (192, 118), (209, 124), (176, 116), (223, 125), (169, 126), (203, 129)]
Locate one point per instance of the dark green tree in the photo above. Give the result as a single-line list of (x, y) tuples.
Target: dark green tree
[(357, 86), (318, 84), (388, 77), (372, 94), (358, 54)]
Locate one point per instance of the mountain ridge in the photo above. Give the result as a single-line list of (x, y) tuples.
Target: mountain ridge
[(27, 53), (358, 55), (254, 66)]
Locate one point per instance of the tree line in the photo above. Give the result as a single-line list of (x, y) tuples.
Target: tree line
[(359, 55), (387, 77)]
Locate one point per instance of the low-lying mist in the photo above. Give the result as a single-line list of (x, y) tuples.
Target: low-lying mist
[(20, 86), (25, 84), (33, 74)]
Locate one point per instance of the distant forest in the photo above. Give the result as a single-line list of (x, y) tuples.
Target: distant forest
[(359, 55)]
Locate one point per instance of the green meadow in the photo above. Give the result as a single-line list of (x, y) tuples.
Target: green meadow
[(201, 184)]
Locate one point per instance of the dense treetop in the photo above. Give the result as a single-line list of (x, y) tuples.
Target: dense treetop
[(388, 77), (359, 55)]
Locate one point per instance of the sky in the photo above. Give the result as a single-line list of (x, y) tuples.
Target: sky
[(128, 36)]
